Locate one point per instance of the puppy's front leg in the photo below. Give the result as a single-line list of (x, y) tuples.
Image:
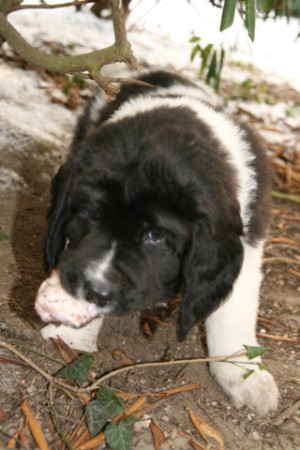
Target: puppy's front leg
[(232, 326)]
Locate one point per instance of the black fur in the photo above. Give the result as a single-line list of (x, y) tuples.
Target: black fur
[(160, 186)]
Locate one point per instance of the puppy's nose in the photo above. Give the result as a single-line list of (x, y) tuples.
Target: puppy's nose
[(100, 295)]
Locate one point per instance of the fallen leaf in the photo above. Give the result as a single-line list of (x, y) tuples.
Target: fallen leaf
[(294, 272), (3, 415), (12, 360), (92, 443), (34, 426), (283, 240), (157, 434), (24, 437), (134, 407), (124, 359), (211, 436), (68, 354), (146, 330), (177, 390), (195, 444), (13, 440)]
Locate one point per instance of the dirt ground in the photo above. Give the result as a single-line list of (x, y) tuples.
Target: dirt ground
[(23, 205)]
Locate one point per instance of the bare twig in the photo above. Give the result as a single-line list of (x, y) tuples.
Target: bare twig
[(227, 358), (90, 63), (286, 414)]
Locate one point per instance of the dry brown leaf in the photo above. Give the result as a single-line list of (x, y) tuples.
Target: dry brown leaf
[(294, 272), (94, 442), (135, 406), (3, 415), (24, 436), (34, 427), (83, 439), (146, 330), (68, 354), (124, 359), (177, 390), (155, 319), (195, 444), (12, 360), (13, 440), (157, 434), (283, 240), (127, 395), (77, 434), (211, 436)]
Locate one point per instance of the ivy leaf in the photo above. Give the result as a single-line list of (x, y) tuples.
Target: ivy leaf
[(228, 14), (118, 435), (254, 351), (78, 369), (248, 373), (96, 417), (106, 406), (110, 401)]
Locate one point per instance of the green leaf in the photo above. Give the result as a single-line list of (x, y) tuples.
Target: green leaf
[(248, 373), (195, 39), (81, 82), (254, 351), (250, 18), (219, 69), (106, 406), (204, 56), (261, 366), (118, 435), (212, 68), (3, 236), (78, 369), (194, 52), (110, 401), (96, 417), (228, 14)]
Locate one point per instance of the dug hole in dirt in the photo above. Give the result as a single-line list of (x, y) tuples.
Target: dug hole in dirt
[(34, 137)]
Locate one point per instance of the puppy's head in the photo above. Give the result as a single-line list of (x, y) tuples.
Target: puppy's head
[(123, 257)]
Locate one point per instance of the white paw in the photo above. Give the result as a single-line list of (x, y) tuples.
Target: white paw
[(258, 392)]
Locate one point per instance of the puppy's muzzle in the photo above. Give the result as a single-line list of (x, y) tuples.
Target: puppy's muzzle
[(99, 294)]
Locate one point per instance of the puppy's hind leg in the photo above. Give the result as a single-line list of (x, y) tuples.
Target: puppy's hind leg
[(232, 326)]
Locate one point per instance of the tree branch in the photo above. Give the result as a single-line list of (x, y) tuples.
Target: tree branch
[(53, 6), (91, 62)]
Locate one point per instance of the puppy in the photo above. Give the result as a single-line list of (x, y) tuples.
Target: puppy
[(161, 195)]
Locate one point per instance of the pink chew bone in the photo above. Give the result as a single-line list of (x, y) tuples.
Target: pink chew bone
[(54, 304)]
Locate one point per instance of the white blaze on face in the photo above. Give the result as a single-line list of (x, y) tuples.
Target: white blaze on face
[(97, 270)]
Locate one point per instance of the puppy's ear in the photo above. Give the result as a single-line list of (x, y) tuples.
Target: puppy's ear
[(55, 238), (211, 265)]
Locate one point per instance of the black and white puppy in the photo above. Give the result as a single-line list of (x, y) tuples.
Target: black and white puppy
[(163, 194)]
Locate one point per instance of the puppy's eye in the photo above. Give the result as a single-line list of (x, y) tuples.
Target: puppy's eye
[(154, 237)]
